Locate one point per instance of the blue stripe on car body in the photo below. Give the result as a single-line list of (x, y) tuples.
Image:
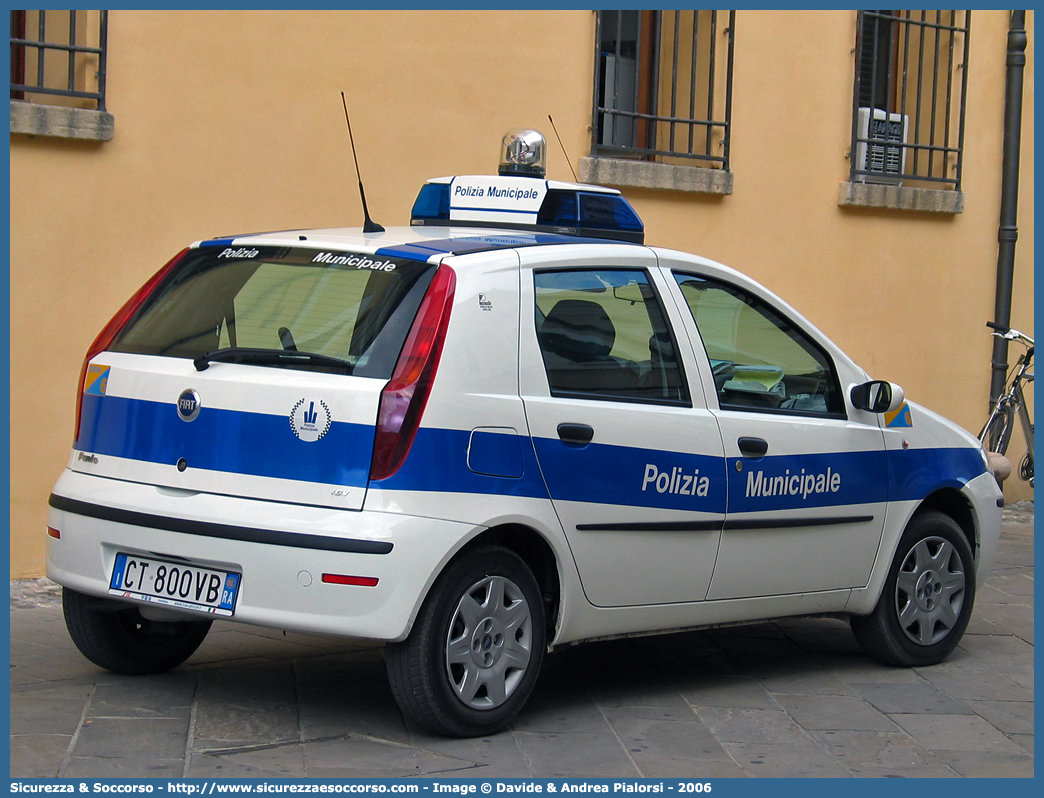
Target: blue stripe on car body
[(790, 482), (577, 474), (438, 462), (915, 473), (257, 444), (260, 444)]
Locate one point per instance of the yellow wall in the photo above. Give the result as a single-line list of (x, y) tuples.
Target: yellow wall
[(229, 122)]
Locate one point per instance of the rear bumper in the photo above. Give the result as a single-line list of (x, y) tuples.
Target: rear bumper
[(282, 551)]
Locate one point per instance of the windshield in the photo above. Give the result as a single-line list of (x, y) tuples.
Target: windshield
[(347, 306)]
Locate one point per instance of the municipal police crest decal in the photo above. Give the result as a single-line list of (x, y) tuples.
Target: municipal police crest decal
[(310, 419)]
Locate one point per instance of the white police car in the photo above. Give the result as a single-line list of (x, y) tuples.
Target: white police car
[(507, 427)]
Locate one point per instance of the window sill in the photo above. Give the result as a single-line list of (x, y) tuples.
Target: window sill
[(901, 198), (646, 174), (60, 122)]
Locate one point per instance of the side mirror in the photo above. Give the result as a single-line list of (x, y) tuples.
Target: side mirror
[(877, 396)]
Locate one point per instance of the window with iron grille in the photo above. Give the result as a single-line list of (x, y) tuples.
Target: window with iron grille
[(663, 86), (909, 98), (58, 74), (58, 57)]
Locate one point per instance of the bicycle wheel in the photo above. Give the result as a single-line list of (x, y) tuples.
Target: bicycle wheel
[(997, 432), (1026, 468)]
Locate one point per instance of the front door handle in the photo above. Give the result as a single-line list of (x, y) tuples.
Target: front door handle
[(753, 447), (575, 433)]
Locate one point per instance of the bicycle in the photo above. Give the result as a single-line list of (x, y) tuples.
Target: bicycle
[(996, 434)]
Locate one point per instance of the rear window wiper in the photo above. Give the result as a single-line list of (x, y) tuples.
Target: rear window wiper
[(271, 357)]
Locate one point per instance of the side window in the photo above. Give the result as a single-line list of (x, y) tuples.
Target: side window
[(759, 359), (603, 335)]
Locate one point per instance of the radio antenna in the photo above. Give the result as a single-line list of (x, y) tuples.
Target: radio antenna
[(369, 225), (560, 144)]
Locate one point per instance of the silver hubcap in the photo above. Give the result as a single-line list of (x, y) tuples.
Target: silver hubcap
[(489, 642), (929, 592)]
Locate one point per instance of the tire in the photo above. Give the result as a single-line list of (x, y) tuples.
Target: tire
[(997, 433), (1026, 468), (911, 625), (472, 658), (119, 639)]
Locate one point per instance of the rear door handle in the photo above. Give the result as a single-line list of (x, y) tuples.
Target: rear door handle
[(575, 433), (753, 447)]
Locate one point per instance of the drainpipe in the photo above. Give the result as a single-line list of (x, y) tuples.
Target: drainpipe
[(1008, 233)]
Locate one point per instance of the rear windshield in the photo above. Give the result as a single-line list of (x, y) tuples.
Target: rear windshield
[(345, 305)]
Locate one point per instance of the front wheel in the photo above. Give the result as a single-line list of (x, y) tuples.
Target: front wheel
[(927, 598), (476, 648), (996, 435), (116, 637)]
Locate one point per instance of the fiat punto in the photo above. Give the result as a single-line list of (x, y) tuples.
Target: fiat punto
[(509, 426)]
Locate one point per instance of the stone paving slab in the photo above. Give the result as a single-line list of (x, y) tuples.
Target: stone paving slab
[(1025, 740), (1011, 717), (955, 733), (878, 754), (135, 767), (796, 698), (56, 709), (498, 754), (764, 760), (980, 765), (740, 692), (168, 695), (576, 754), (38, 756), (840, 713), (921, 698)]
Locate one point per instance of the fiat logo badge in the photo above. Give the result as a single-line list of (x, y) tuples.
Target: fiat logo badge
[(189, 405)]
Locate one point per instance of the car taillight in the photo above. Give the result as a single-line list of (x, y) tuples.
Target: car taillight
[(404, 397), (115, 325)]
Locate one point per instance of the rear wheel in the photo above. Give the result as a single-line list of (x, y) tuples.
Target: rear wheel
[(927, 598), (476, 648), (116, 637), (1026, 468)]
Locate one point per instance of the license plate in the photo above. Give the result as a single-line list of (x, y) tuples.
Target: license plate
[(175, 584)]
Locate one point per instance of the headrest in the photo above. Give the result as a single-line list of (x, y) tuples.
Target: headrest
[(578, 330)]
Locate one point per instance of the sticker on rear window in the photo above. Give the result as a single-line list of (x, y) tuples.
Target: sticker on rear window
[(358, 261), (240, 252)]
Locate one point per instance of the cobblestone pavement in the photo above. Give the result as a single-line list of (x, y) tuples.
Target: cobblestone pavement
[(794, 698)]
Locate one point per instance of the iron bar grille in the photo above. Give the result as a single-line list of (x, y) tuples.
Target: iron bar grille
[(59, 54), (908, 105), (663, 85)]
